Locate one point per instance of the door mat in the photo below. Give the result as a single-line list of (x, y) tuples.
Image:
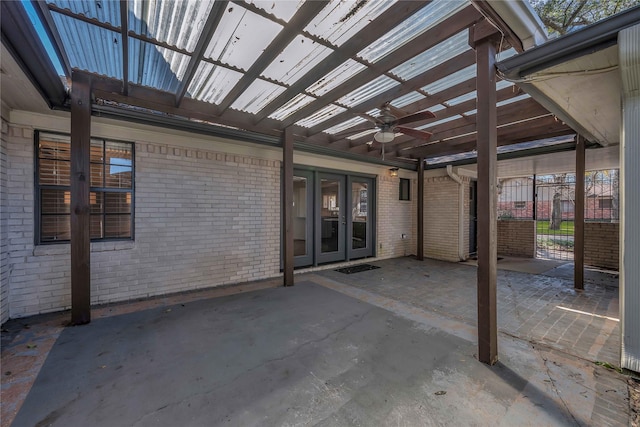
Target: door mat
[(356, 268)]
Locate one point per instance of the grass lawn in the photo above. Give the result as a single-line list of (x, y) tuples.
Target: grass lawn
[(565, 228)]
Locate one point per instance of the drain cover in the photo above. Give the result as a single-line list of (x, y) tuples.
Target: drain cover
[(356, 268)]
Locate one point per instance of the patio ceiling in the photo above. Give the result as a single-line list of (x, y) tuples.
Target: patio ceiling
[(262, 66)]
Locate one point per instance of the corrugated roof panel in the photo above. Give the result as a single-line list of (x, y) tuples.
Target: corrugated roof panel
[(433, 57), (439, 122), (211, 83), (321, 115), (280, 9), (108, 11), (81, 42), (462, 98), (418, 23), (407, 99), (369, 90), (514, 99), (361, 134), (337, 76), (501, 84), (505, 54), (436, 108), (178, 23), (344, 125), (340, 19), (155, 66), (300, 56), (292, 106), (241, 37), (257, 95), (451, 80)]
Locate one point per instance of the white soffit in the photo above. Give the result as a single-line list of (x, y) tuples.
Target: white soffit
[(588, 89)]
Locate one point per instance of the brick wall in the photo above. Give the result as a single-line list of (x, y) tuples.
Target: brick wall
[(441, 218), (4, 248), (395, 218), (601, 244), (202, 219), (517, 238)]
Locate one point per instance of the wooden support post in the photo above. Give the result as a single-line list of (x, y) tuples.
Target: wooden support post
[(80, 208), (578, 237), (420, 222), (287, 205), (483, 40)]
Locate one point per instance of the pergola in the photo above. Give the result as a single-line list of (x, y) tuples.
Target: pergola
[(295, 74)]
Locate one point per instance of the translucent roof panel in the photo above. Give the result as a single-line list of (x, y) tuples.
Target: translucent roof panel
[(340, 19), (177, 23), (257, 95), (501, 84), (157, 66), (514, 99), (300, 56), (421, 21), (451, 80), (367, 91), (241, 37), (211, 83), (321, 115), (292, 106), (94, 39), (345, 125), (462, 98), (337, 76), (439, 122), (433, 57), (407, 99), (280, 9), (361, 134), (108, 11)]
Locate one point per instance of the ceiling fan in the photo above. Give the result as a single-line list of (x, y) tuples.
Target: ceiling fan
[(392, 120)]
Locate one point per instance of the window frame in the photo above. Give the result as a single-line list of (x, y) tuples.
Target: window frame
[(37, 187), (401, 181)]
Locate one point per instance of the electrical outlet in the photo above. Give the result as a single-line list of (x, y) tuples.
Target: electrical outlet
[(404, 236)]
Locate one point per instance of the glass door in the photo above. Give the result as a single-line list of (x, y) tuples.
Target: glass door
[(331, 222), (360, 236), (302, 218)]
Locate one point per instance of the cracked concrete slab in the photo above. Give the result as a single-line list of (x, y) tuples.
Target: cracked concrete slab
[(306, 355)]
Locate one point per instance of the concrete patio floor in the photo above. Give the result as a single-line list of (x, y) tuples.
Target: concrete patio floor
[(392, 346)]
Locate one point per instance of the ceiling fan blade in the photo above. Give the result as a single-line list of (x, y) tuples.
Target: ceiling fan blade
[(395, 110), (416, 117), (370, 118), (416, 133)]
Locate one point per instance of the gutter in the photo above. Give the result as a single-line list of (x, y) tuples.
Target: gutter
[(458, 179), (522, 20)]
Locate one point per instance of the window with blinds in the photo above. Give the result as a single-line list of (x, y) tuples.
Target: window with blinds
[(111, 191)]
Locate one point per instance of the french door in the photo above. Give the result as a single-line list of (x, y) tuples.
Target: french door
[(333, 217)]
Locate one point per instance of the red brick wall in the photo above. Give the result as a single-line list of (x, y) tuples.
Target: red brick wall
[(517, 238), (601, 244)]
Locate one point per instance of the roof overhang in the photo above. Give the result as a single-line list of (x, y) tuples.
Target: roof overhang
[(577, 77)]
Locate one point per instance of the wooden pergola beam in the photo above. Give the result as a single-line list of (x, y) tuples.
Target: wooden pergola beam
[(124, 33), (80, 208), (287, 205), (392, 17), (578, 250)]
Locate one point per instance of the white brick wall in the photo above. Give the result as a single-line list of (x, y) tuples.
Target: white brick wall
[(4, 247), (395, 218), (441, 216), (202, 219)]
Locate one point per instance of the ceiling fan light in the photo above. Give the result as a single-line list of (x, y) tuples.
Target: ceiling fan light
[(384, 136)]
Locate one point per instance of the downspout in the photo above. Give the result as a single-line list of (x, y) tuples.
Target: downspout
[(458, 179)]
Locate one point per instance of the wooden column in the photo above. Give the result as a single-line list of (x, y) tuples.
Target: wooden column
[(578, 237), (287, 205), (420, 219), (483, 39), (80, 208)]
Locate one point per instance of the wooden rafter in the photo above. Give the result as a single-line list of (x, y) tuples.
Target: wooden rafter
[(50, 28), (392, 17), (124, 30)]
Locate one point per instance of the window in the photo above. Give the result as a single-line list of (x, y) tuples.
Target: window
[(405, 189), (604, 203), (111, 189), (519, 205)]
